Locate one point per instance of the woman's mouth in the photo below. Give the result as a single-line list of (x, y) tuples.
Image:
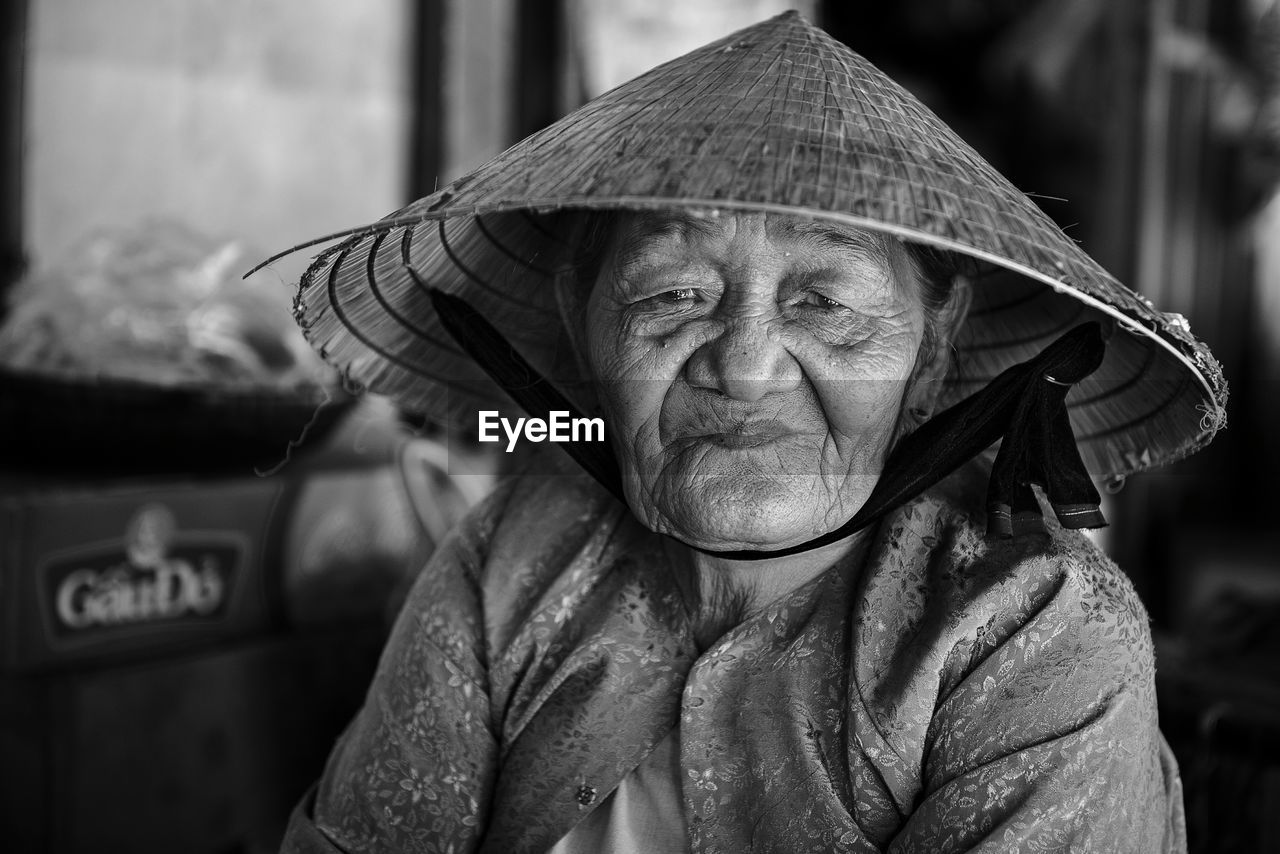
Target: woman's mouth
[(747, 435)]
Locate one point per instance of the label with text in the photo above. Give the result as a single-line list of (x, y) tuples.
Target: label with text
[(156, 574)]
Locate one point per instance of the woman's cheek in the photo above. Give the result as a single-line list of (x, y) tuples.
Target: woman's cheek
[(633, 375), (860, 385)]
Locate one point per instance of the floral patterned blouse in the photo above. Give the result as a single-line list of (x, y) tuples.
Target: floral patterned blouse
[(950, 694)]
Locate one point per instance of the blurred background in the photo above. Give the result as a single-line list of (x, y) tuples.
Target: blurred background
[(202, 537)]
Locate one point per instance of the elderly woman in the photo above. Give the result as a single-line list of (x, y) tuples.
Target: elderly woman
[(786, 611)]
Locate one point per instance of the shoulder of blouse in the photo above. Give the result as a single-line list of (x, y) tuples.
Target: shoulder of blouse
[(964, 649), (999, 586)]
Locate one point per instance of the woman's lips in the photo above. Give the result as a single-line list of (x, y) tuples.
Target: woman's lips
[(746, 435), (735, 442)]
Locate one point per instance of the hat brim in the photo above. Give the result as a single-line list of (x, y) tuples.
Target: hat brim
[(776, 118)]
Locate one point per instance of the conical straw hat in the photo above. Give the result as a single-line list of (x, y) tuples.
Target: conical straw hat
[(778, 117)]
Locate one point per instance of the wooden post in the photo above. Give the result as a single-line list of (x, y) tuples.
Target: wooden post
[(13, 38)]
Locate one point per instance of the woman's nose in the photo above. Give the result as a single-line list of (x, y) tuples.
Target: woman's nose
[(744, 362)]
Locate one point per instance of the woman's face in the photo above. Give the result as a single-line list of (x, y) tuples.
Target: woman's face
[(751, 368)]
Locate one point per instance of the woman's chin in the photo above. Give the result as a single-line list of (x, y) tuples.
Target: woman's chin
[(728, 514)]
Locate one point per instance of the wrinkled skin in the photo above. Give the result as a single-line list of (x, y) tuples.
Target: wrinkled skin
[(752, 369)]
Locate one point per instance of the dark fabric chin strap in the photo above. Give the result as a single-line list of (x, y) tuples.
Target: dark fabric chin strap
[(1024, 406)]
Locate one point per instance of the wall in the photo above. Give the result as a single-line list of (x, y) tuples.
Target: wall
[(269, 122), (619, 39)]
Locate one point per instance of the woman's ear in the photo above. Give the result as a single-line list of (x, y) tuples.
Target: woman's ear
[(951, 317), (935, 361), (571, 300), (572, 295), (589, 239)]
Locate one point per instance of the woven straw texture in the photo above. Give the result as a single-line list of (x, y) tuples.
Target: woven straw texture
[(776, 117)]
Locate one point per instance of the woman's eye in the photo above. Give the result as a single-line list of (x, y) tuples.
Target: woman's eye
[(816, 299), (678, 295), (672, 302)]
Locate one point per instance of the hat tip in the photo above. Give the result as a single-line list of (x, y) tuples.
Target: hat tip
[(793, 18)]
